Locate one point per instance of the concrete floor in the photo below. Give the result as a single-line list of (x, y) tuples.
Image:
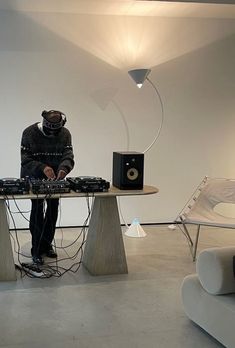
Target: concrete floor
[(140, 309)]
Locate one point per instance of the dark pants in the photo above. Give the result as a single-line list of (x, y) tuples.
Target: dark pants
[(42, 224)]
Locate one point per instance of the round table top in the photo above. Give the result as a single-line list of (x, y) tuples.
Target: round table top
[(113, 191)]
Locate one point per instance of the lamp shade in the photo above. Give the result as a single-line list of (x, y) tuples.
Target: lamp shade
[(139, 75), (135, 230)]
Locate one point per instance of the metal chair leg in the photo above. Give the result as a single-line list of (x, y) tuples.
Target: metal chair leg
[(196, 243), (186, 231)]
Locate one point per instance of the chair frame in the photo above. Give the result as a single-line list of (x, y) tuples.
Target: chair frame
[(193, 246), (180, 221)]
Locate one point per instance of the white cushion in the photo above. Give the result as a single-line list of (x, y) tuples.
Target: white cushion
[(215, 314), (215, 270)]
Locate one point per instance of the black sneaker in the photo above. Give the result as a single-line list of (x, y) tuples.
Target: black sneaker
[(51, 253), (37, 259)]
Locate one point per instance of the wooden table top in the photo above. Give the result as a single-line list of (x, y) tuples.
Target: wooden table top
[(112, 192)]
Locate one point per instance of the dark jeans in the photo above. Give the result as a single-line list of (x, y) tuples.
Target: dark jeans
[(42, 224)]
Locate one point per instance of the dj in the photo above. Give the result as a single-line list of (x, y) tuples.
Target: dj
[(46, 153)]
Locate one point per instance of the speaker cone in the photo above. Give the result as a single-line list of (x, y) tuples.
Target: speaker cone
[(132, 174)]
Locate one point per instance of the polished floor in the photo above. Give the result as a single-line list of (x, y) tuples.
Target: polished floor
[(140, 309)]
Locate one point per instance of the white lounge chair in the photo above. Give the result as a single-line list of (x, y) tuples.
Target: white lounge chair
[(200, 209)]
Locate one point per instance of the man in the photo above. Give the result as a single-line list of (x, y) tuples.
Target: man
[(46, 153)]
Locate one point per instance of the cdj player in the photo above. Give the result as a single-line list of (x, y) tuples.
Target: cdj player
[(12, 186), (88, 184)]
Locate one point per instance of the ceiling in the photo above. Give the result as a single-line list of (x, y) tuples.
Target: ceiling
[(199, 1), (124, 7)]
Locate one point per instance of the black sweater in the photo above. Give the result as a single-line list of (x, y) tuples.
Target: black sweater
[(39, 151)]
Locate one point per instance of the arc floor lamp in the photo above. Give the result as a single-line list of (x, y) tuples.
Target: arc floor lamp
[(139, 76)]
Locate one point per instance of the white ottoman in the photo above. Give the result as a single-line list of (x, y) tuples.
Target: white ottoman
[(208, 297)]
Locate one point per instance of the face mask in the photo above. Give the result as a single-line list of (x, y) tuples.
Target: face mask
[(51, 132)]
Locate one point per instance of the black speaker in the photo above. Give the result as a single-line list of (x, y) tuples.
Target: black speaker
[(128, 170)]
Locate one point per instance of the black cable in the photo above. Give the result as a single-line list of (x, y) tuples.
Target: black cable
[(48, 270), (20, 266), (19, 211), (73, 257), (80, 249), (15, 230)]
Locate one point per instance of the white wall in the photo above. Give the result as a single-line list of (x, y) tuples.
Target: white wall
[(78, 64)]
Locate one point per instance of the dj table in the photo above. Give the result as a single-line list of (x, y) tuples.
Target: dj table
[(104, 249)]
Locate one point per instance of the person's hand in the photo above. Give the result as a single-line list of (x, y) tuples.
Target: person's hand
[(49, 172), (61, 175)]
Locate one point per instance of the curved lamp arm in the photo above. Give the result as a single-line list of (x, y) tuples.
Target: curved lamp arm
[(162, 117), (139, 76)]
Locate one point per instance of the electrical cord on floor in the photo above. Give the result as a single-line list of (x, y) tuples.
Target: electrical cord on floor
[(54, 265), (50, 269), (16, 242)]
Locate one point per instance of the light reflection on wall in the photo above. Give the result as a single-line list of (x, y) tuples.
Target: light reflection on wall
[(127, 42), (105, 97)]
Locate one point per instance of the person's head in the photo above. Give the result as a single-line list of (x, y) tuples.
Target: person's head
[(53, 121)]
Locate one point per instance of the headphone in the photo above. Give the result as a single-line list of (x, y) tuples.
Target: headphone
[(51, 125)]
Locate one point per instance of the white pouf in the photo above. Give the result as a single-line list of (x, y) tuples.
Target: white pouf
[(215, 270)]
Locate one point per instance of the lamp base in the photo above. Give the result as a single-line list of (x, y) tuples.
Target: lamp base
[(135, 230)]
